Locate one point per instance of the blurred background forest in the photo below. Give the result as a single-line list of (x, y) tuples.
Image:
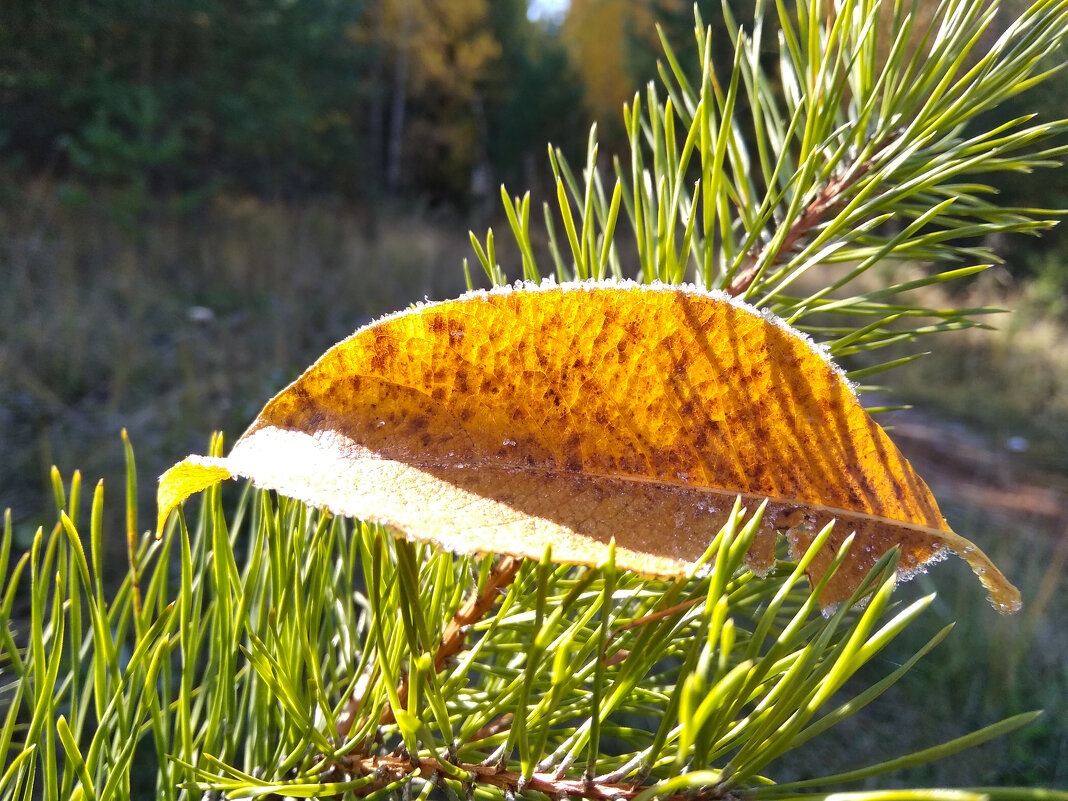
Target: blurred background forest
[(198, 197)]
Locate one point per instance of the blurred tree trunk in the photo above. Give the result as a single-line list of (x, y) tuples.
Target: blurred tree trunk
[(376, 119), (399, 98)]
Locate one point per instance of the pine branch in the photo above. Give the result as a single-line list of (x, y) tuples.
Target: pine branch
[(395, 768), (829, 201), (452, 641)]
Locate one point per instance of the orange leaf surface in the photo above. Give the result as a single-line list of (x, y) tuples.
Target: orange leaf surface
[(581, 413)]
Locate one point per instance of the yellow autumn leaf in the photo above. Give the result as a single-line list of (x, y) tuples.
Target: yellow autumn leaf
[(582, 413)]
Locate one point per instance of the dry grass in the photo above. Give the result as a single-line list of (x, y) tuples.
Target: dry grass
[(1011, 383)]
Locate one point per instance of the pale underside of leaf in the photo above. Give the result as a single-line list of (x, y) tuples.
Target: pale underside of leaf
[(581, 415)]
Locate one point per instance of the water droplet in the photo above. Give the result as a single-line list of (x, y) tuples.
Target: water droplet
[(1005, 607), (1017, 444), (201, 315)]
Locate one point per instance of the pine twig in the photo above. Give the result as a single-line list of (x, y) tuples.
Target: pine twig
[(829, 201), (473, 609), (396, 767), (452, 640)]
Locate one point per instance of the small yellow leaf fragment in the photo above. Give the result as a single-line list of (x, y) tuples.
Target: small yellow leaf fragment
[(184, 479)]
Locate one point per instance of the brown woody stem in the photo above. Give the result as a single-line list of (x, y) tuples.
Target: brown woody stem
[(828, 200), (452, 640), (474, 608), (652, 617), (395, 767)]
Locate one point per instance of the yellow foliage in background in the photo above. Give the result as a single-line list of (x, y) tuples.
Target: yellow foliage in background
[(598, 33), (447, 42)]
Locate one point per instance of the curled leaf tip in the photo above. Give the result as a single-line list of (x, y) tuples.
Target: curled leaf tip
[(588, 414), (186, 478)]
